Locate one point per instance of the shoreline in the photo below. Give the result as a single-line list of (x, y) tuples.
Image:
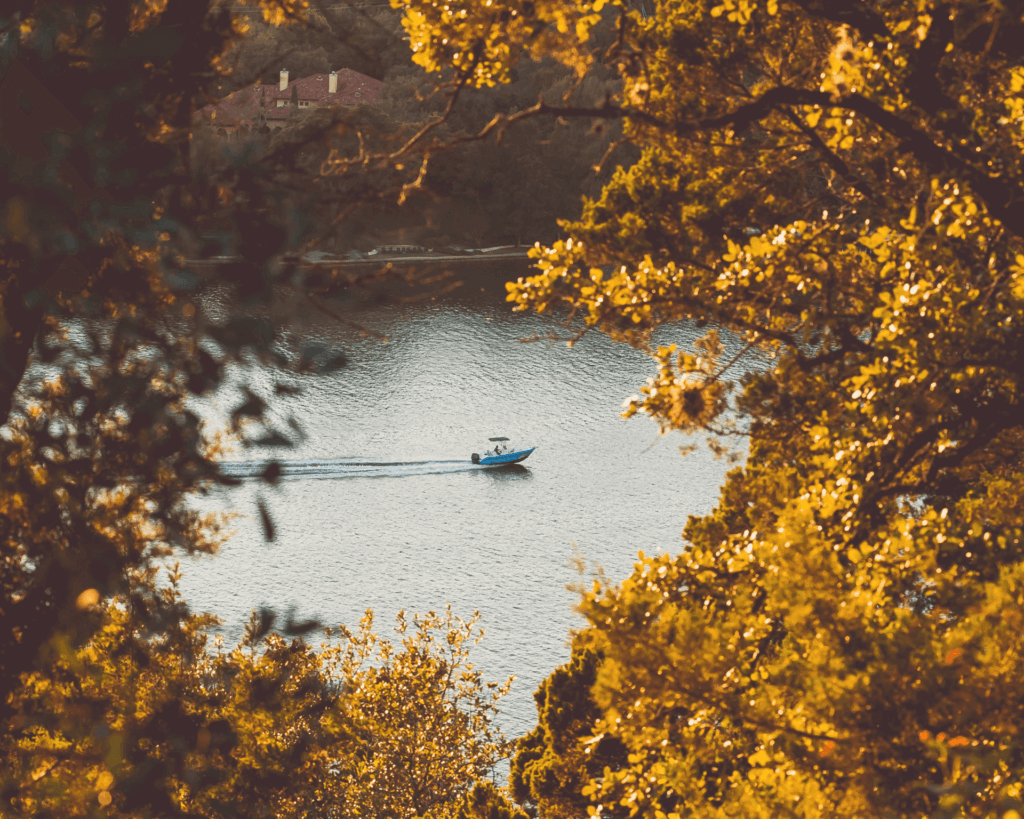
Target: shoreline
[(382, 258)]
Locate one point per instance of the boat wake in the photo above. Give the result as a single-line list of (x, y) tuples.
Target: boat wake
[(348, 468)]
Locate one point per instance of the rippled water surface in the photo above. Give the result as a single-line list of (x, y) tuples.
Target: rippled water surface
[(381, 508)]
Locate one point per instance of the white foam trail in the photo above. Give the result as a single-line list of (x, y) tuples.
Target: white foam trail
[(348, 468)]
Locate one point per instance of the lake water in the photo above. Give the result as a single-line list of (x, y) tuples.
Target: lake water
[(398, 518)]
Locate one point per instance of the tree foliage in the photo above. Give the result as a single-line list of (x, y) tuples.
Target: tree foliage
[(557, 759), (487, 801), (423, 716), (838, 185), (171, 724)]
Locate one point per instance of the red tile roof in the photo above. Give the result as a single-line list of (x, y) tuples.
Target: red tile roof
[(353, 88), (243, 107)]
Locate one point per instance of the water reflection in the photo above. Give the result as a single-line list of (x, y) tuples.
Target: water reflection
[(512, 472)]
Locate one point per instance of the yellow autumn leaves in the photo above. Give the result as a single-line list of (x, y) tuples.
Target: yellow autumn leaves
[(363, 725), (483, 40)]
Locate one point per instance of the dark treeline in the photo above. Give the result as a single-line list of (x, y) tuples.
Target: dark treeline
[(479, 193)]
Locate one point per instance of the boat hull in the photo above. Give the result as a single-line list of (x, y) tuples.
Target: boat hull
[(507, 458)]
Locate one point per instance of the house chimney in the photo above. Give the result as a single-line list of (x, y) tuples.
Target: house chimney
[(284, 80), (332, 83)]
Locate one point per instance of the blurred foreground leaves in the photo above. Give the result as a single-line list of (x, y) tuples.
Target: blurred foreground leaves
[(112, 698)]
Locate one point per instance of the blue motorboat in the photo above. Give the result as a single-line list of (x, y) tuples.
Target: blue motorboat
[(501, 453)]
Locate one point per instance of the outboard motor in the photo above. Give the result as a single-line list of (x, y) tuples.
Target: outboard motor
[(476, 458)]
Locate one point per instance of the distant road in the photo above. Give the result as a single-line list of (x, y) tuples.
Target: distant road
[(382, 258)]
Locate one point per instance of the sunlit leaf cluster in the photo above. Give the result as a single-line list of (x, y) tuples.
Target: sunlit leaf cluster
[(423, 716), (482, 41)]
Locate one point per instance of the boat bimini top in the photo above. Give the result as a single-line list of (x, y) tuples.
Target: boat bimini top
[(501, 452)]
